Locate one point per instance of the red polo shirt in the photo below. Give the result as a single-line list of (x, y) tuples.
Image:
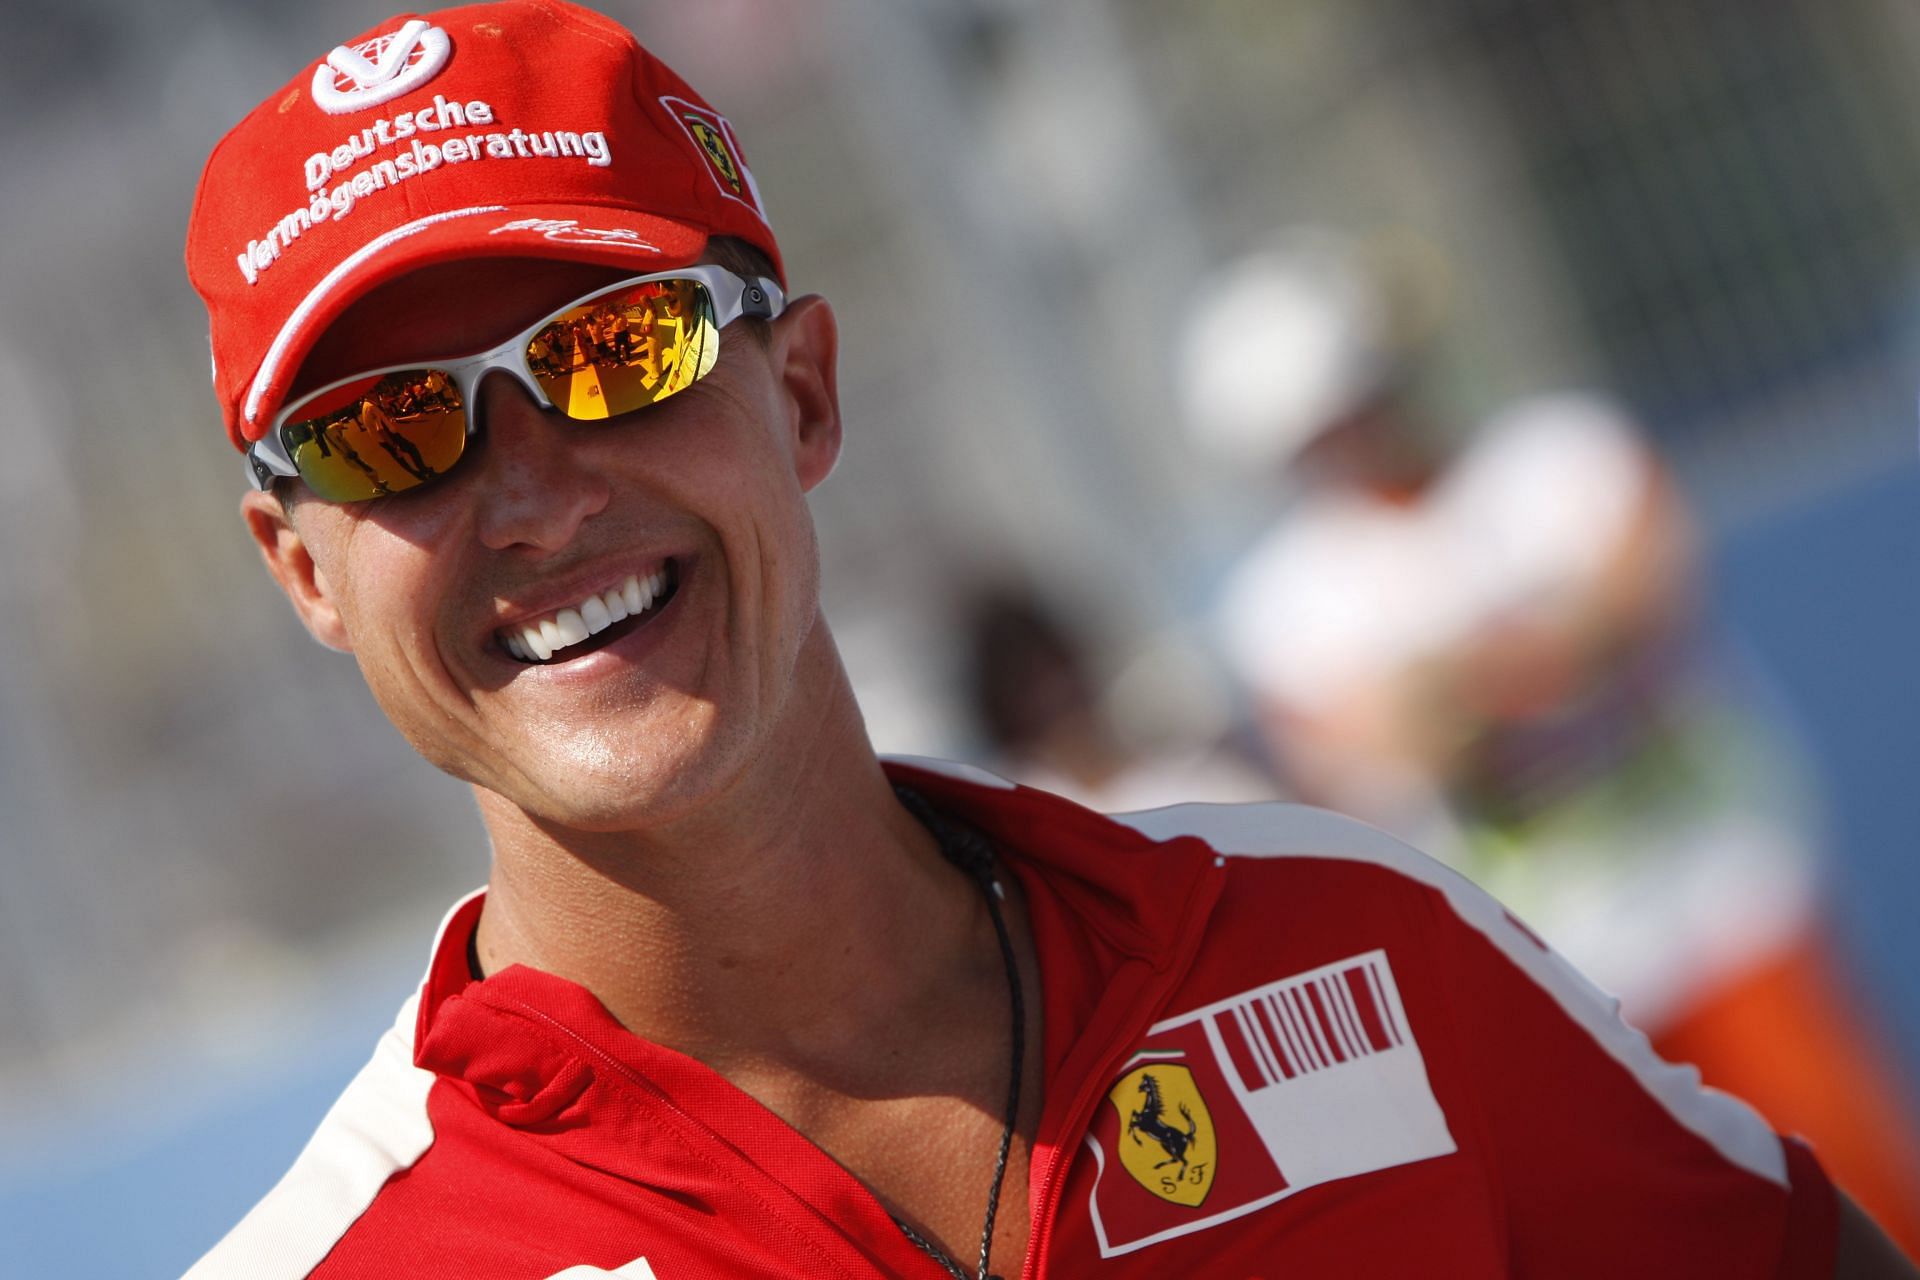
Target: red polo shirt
[(1277, 1042)]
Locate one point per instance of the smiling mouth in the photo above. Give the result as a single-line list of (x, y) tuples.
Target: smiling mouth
[(594, 622)]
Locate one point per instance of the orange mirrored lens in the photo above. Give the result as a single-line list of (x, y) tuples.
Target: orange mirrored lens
[(624, 351), (378, 435)]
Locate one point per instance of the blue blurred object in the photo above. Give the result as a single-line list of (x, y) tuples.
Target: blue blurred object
[(1828, 596), (146, 1181)]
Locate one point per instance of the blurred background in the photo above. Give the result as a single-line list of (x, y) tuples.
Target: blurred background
[(1493, 418)]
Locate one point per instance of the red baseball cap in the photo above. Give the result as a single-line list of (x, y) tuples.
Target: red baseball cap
[(530, 128)]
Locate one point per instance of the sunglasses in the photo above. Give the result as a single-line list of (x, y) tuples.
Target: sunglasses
[(609, 353)]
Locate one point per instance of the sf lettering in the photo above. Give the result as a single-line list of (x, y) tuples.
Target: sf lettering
[(1194, 1175)]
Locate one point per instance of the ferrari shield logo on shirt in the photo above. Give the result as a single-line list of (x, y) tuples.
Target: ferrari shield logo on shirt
[(1229, 1108), (1168, 1143)]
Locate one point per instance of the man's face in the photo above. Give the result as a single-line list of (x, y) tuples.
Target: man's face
[(645, 719)]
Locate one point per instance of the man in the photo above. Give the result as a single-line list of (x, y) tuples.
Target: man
[(738, 999)]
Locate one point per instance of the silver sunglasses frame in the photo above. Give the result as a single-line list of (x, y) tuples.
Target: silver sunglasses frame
[(268, 458)]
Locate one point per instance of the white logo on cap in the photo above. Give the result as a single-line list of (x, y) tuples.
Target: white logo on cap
[(380, 69)]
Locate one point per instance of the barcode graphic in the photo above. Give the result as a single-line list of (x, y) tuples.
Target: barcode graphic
[(1311, 1023), (1325, 1069)]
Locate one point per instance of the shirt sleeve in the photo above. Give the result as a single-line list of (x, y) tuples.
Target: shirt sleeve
[(1610, 1161)]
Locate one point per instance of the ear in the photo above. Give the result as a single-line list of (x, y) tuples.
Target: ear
[(291, 564), (806, 353)]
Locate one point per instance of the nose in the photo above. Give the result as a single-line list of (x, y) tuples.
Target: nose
[(536, 487)]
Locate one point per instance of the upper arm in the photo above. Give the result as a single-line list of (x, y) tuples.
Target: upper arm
[(1602, 1159), (1610, 1161)]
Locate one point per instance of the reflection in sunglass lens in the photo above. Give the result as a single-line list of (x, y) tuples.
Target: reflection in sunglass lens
[(378, 435), (624, 351)]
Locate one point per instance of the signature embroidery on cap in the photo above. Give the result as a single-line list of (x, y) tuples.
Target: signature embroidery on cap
[(380, 69), (569, 231), (713, 136)]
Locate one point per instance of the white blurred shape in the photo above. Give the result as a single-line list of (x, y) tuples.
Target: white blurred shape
[(1545, 500), (1285, 342), (1346, 588)]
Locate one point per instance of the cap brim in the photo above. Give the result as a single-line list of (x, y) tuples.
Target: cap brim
[(567, 232)]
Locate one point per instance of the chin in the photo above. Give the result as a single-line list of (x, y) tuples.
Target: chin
[(623, 787)]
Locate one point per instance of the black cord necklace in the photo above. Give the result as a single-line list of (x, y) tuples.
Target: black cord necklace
[(970, 851)]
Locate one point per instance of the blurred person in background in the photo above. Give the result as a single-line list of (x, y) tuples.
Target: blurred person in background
[(1495, 648), (740, 998), (1153, 735)]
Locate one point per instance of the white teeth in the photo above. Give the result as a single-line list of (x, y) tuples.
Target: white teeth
[(571, 626), (539, 641)]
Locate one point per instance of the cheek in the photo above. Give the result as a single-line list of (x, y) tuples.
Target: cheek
[(730, 465), (768, 512), (380, 582), (743, 488)]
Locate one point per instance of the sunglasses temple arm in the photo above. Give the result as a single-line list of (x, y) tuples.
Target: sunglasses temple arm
[(762, 299), (260, 460)]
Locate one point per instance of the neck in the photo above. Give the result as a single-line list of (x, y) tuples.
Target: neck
[(778, 926)]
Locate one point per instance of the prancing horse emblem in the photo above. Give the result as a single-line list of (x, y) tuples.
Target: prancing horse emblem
[(1167, 1139), (1150, 1119)]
